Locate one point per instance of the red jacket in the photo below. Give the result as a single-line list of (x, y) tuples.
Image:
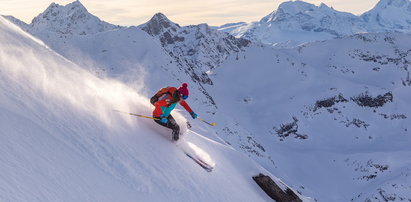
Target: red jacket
[(162, 102)]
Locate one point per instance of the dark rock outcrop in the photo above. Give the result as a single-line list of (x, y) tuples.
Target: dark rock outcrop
[(274, 191)]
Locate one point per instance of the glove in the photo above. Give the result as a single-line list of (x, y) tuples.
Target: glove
[(194, 115), (163, 118)]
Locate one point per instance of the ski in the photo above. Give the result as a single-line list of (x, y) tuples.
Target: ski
[(203, 164)]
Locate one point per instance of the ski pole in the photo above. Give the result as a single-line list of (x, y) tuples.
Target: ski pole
[(211, 124), (142, 116)]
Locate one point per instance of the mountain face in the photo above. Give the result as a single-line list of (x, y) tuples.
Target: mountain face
[(192, 44), (388, 16), (298, 22), (197, 49), (72, 19)]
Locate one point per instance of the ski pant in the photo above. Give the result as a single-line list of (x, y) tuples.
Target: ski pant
[(171, 123)]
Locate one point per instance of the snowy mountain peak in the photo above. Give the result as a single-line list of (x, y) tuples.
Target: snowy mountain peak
[(158, 24), (74, 9), (76, 5), (160, 17), (72, 19), (305, 11), (294, 7), (287, 9), (389, 15), (299, 21)]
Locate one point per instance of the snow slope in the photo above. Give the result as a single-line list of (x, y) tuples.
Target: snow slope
[(61, 140), (331, 122)]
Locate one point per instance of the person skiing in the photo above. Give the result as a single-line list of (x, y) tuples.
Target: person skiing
[(165, 101)]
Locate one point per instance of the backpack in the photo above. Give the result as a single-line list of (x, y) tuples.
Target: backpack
[(167, 90)]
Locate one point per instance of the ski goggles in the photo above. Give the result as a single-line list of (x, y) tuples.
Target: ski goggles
[(185, 97)]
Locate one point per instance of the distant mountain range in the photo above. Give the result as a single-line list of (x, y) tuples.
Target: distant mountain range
[(295, 22)]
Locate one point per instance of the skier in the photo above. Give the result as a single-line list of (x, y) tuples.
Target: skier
[(164, 102)]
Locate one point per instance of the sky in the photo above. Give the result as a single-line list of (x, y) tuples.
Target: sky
[(183, 12)]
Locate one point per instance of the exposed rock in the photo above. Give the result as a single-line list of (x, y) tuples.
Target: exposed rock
[(329, 102), (288, 129), (365, 100), (274, 191)]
